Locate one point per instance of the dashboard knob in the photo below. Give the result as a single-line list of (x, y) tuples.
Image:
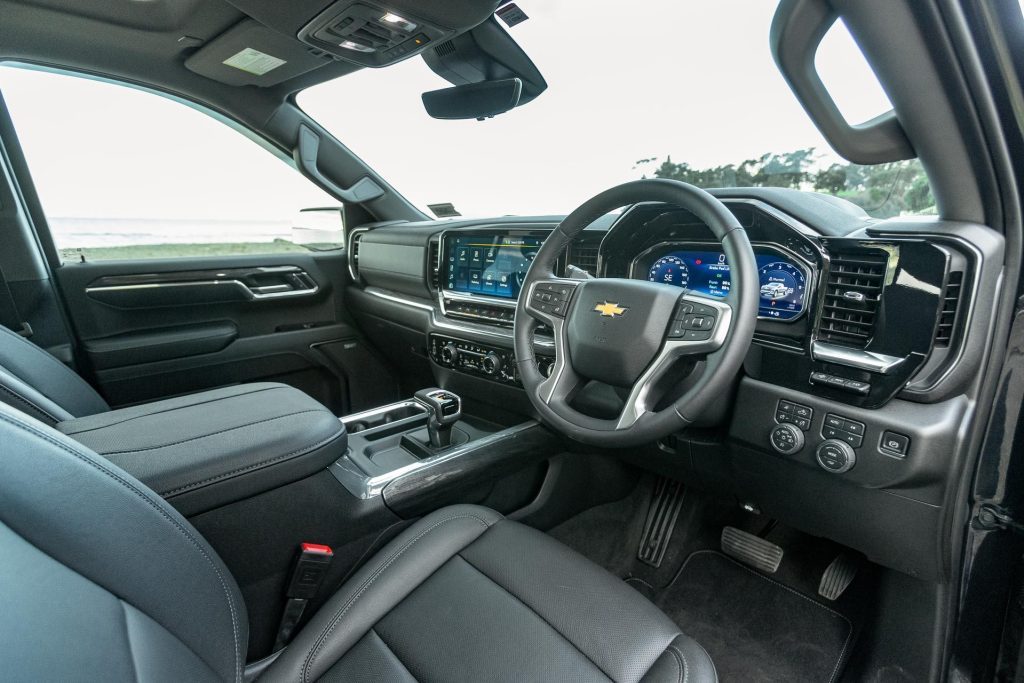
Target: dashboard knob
[(450, 353), (836, 456), (786, 438), (492, 363)]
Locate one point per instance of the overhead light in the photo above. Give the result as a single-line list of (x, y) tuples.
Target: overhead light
[(398, 22), (353, 45)]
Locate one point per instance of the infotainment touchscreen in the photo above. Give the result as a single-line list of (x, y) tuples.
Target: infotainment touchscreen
[(490, 265)]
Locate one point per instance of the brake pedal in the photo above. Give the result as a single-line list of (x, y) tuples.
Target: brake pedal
[(666, 502), (751, 550), (838, 577)]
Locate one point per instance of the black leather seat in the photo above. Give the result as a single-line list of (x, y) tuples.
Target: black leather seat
[(100, 579)]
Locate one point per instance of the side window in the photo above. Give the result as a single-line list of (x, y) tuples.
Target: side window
[(127, 174)]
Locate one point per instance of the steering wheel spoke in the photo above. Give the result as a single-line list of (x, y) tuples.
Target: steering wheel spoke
[(700, 325)]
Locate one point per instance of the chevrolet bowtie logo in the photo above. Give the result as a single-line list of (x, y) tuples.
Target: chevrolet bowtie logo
[(610, 310)]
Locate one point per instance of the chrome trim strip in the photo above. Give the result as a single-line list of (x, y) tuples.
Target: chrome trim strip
[(363, 486), (636, 404), (382, 410), (249, 292), (878, 363), (442, 324)]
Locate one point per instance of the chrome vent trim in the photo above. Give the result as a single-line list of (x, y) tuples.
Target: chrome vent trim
[(354, 239), (434, 263)]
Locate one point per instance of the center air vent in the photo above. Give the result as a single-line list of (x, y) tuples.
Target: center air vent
[(950, 305), (434, 264), (852, 292), (583, 252), (353, 253)]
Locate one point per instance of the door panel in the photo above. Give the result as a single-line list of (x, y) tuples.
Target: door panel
[(158, 328)]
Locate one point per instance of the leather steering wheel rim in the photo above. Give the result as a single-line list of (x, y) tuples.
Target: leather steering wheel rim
[(722, 359)]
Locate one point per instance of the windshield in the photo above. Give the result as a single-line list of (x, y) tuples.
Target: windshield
[(684, 90)]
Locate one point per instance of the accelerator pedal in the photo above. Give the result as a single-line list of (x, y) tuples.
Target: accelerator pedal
[(666, 501), (751, 550), (838, 577)]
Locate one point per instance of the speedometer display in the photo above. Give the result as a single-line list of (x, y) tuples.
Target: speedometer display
[(671, 270), (783, 283)]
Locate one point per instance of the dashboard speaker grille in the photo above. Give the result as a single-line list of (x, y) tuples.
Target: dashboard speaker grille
[(852, 292), (950, 304)]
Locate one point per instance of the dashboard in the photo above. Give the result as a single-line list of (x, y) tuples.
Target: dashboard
[(703, 268), (869, 334)]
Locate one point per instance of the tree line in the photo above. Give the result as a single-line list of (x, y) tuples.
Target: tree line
[(882, 190)]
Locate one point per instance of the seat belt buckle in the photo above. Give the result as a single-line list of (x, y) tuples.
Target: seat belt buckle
[(307, 576)]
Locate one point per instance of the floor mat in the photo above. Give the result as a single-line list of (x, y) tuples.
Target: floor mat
[(754, 628)]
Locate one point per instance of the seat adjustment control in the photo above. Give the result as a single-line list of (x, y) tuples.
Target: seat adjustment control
[(786, 438), (836, 456)]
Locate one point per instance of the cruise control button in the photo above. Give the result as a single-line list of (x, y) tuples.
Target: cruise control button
[(696, 335)]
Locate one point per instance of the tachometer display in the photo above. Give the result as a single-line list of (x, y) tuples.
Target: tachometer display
[(782, 290), (670, 270), (783, 284)]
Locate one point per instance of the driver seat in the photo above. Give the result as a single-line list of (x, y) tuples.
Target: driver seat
[(101, 579)]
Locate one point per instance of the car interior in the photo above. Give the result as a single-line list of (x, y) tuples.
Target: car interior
[(759, 422)]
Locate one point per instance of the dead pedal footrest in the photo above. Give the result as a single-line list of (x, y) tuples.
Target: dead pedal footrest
[(751, 550), (666, 501)]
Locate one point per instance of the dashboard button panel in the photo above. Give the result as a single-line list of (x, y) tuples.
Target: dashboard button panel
[(843, 429), (491, 362)]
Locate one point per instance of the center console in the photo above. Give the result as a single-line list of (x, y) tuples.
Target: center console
[(412, 451)]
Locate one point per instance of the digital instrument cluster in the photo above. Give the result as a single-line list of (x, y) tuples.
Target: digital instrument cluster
[(783, 282)]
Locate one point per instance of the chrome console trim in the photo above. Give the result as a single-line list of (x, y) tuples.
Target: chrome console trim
[(364, 487)]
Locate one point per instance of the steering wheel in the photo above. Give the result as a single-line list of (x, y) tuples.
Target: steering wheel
[(630, 333)]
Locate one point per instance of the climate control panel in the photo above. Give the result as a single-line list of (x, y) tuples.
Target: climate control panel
[(492, 362)]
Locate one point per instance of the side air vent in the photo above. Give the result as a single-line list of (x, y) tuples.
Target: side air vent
[(855, 281), (950, 305), (434, 263), (583, 252), (353, 253)]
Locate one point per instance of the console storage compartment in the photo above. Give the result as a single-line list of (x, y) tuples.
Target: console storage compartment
[(209, 449)]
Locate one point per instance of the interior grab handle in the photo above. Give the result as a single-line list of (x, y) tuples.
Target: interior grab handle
[(365, 189)]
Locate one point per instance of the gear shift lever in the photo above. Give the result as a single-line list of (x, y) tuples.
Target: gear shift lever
[(445, 409)]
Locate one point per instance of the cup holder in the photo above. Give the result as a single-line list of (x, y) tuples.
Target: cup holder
[(385, 420)]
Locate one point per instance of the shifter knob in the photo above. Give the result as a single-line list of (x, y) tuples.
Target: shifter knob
[(444, 409)]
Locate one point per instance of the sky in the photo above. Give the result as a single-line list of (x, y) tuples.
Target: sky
[(694, 80)]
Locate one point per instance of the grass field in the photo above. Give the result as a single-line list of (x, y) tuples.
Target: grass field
[(144, 251)]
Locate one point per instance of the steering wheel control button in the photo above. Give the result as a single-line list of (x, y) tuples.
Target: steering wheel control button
[(894, 444), (552, 297), (836, 456), (786, 438), (692, 322)]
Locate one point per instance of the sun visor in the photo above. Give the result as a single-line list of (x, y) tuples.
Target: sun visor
[(249, 53)]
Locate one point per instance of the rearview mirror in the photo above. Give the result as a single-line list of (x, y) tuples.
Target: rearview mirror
[(474, 100)]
